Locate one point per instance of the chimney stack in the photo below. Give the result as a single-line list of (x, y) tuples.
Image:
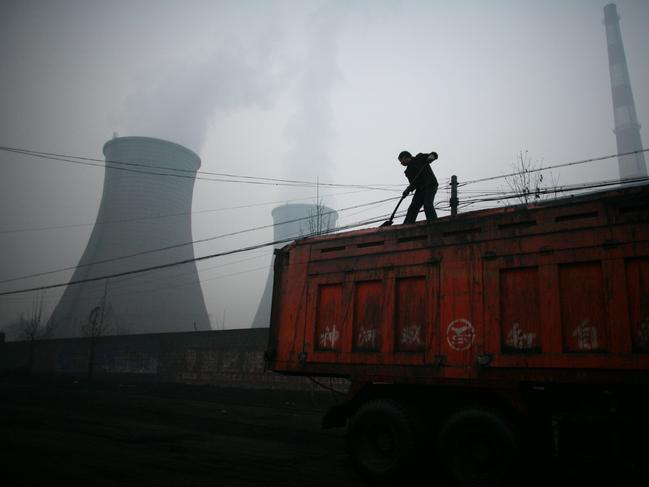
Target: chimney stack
[(627, 128)]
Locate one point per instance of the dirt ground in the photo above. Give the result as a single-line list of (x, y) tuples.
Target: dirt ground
[(67, 433), (70, 433)]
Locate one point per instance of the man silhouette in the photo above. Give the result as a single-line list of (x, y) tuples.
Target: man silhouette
[(423, 181)]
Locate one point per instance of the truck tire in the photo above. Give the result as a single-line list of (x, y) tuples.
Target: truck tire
[(381, 439), (479, 448)]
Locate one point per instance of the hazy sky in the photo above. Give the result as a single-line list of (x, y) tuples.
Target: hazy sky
[(331, 90)]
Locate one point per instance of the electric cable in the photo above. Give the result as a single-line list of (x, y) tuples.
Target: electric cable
[(172, 215), (555, 166), (169, 247), (117, 282), (193, 175), (464, 204), (289, 239), (562, 189), (185, 261)]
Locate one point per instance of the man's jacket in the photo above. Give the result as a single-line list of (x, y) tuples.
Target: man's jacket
[(425, 178)]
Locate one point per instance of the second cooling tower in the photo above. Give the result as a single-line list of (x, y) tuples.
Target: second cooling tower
[(292, 222), (145, 206)]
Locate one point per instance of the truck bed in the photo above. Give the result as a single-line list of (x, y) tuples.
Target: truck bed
[(556, 291)]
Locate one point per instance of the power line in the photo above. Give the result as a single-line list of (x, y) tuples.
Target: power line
[(464, 204), (285, 240), (172, 215), (558, 189), (182, 262), (170, 247), (146, 269), (263, 180), (121, 281), (193, 175), (555, 166), (116, 283), (122, 292)]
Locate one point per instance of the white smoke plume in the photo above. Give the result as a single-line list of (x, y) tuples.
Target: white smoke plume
[(179, 106)]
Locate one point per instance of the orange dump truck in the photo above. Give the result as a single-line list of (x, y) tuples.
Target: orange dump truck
[(479, 337)]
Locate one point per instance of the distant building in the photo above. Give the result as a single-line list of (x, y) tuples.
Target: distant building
[(291, 222), (142, 209), (627, 128)]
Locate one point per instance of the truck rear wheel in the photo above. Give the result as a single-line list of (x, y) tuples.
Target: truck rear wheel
[(381, 439), (479, 448)]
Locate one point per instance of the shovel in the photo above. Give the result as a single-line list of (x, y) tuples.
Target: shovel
[(389, 222)]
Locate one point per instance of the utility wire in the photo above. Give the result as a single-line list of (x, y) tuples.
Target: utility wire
[(180, 274), (146, 269), (565, 164), (116, 283), (171, 215), (178, 172), (181, 285), (186, 261), (559, 189), (265, 180), (464, 204), (169, 247), (289, 239)]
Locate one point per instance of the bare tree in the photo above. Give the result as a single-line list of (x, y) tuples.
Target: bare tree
[(527, 180), (99, 324), (554, 185), (30, 328), (319, 221)]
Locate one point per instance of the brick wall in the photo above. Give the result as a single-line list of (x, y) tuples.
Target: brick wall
[(230, 358)]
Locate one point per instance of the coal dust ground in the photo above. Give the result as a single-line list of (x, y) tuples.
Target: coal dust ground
[(70, 433), (67, 433)]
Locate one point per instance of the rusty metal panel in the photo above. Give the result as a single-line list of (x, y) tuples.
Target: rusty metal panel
[(461, 325), (329, 317), (617, 303), (637, 272), (555, 288), (582, 307), (368, 316), (410, 310), (519, 310)]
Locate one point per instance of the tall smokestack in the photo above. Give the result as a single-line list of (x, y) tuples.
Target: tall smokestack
[(139, 212), (292, 221), (627, 128)]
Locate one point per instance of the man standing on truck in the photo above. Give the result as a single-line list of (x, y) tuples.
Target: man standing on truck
[(423, 181)]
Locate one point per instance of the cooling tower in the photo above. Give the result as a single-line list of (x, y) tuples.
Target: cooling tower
[(292, 221), (627, 128), (139, 212)]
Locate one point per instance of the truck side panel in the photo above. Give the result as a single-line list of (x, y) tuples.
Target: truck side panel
[(532, 291)]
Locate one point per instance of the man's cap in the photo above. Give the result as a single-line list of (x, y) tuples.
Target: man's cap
[(403, 154)]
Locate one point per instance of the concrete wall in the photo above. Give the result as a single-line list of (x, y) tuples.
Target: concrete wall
[(231, 358)]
